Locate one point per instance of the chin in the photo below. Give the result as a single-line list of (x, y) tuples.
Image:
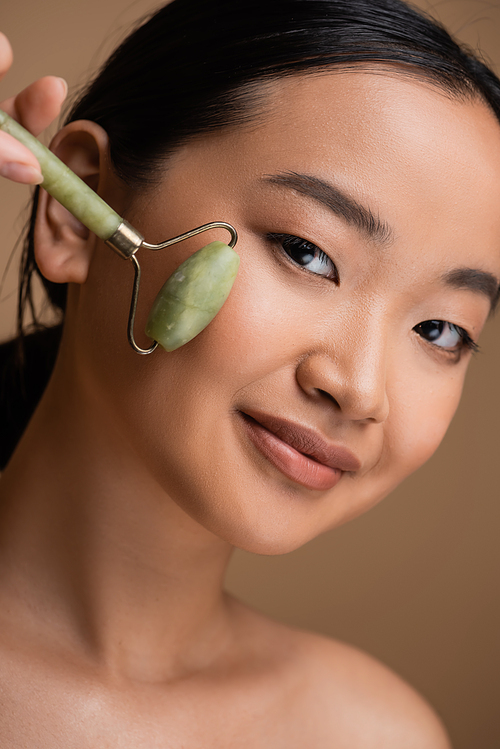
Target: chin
[(276, 524), (272, 522)]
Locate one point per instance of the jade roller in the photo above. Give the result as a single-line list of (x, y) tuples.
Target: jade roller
[(193, 294)]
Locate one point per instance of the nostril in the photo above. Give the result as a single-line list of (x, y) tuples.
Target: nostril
[(327, 395)]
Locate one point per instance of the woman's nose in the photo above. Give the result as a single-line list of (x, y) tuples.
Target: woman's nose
[(352, 374)]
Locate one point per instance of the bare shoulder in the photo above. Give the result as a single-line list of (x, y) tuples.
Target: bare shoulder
[(337, 695), (375, 706)]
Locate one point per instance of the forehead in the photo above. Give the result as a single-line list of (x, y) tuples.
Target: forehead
[(404, 128), (349, 113)]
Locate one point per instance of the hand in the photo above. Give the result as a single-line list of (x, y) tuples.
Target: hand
[(34, 108)]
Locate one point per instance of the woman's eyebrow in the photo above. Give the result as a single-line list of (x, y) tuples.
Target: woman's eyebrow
[(338, 201), (478, 281), (363, 219)]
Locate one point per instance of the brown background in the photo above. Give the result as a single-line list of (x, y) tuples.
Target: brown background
[(415, 581)]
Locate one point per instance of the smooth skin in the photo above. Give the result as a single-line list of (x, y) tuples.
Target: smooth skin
[(136, 476)]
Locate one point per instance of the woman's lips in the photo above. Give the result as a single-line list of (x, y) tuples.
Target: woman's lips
[(300, 453)]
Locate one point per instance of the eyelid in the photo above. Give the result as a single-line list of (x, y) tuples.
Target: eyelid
[(280, 237), (466, 342)]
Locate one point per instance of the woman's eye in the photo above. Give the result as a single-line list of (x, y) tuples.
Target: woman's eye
[(445, 335), (307, 255)]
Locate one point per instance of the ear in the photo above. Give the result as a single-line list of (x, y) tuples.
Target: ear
[(63, 247)]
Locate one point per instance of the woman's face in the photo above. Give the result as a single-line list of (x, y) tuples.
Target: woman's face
[(369, 234)]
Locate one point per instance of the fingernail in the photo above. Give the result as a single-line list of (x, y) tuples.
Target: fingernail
[(64, 85), (21, 173)]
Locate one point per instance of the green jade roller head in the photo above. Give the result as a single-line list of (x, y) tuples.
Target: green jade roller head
[(195, 292)]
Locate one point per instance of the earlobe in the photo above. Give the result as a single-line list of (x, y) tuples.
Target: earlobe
[(62, 248)]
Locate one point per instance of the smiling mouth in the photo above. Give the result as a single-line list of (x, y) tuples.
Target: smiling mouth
[(299, 453)]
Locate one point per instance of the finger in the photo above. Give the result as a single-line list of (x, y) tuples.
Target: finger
[(17, 162), (38, 104), (5, 55)]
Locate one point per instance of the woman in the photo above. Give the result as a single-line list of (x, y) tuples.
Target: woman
[(356, 149)]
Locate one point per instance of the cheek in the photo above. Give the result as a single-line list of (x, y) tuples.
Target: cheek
[(420, 413), (165, 401), (420, 418), (259, 330)]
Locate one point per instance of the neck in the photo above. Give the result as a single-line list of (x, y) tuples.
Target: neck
[(103, 556)]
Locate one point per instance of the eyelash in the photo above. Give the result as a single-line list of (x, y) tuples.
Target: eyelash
[(466, 342), (289, 242), (286, 242)]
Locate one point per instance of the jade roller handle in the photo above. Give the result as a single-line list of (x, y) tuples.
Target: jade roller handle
[(195, 292), (63, 184)]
